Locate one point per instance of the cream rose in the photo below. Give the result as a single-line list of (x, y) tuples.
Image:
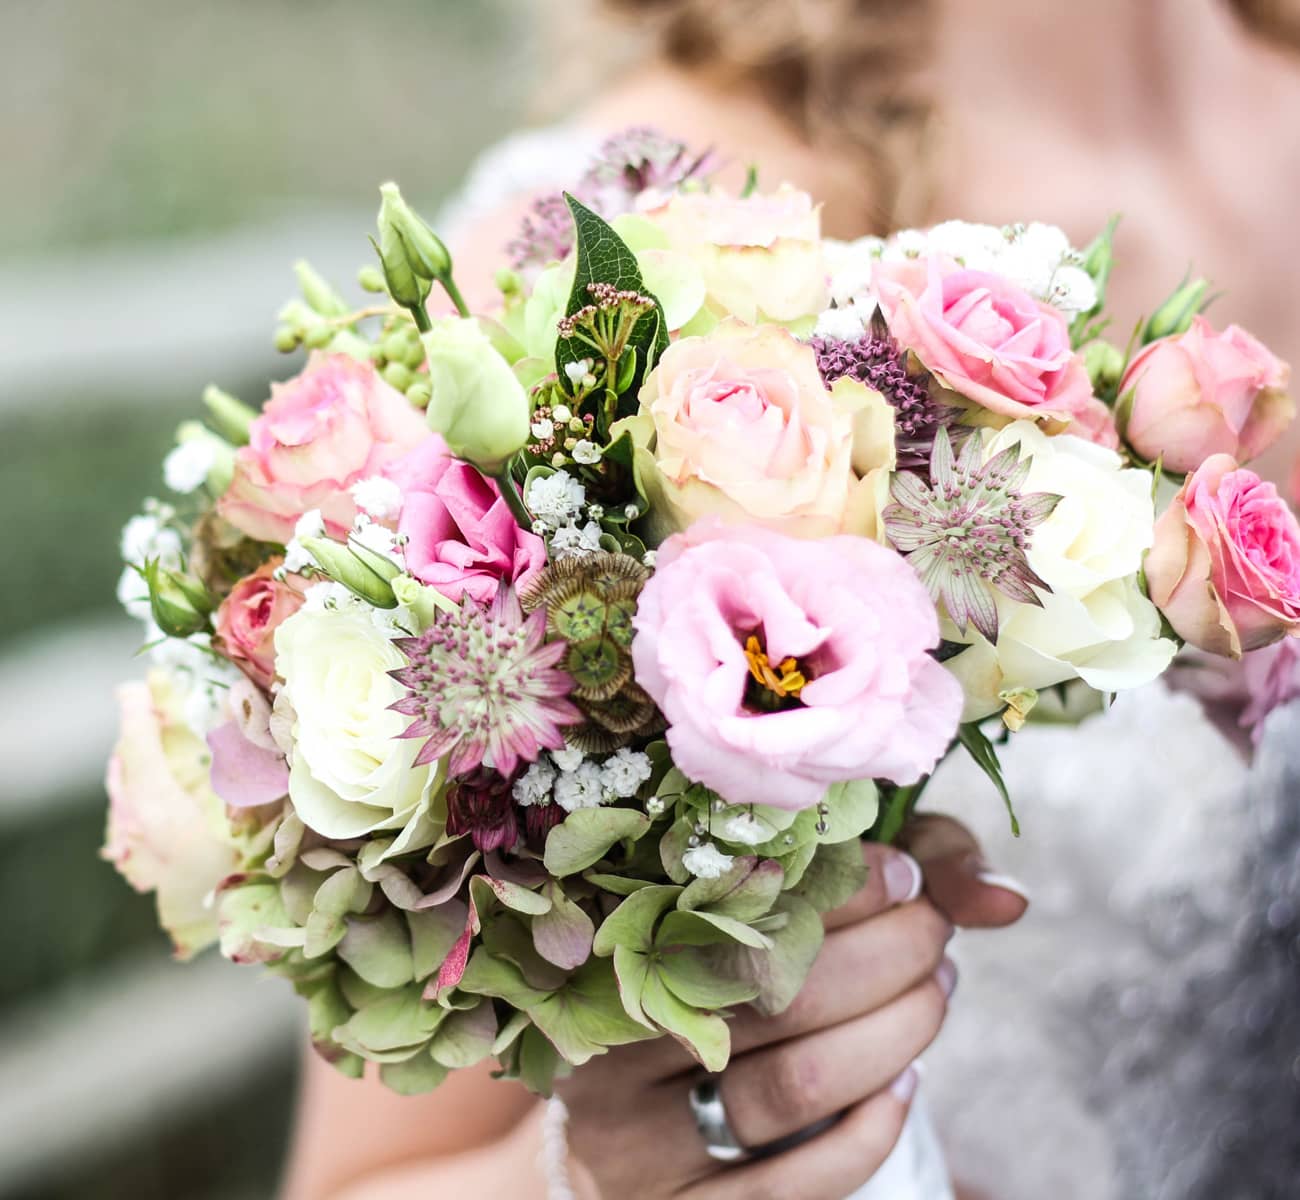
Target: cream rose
[(739, 424), (351, 772), (1096, 624), (760, 256)]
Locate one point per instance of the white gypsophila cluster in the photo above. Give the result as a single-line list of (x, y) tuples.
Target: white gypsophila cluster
[(186, 467), (555, 500), (296, 556), (377, 497), (579, 788), (576, 541), (568, 759), (377, 538), (851, 266), (330, 596), (623, 773), (146, 537), (745, 829), (706, 861), (535, 784), (197, 674)]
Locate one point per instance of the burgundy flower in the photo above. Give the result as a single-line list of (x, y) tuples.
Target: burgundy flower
[(480, 805)]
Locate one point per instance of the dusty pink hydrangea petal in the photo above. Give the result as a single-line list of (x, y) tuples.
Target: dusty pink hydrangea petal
[(245, 774)]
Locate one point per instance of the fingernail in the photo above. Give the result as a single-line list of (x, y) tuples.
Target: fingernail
[(1005, 882), (904, 1087), (945, 975), (902, 878)]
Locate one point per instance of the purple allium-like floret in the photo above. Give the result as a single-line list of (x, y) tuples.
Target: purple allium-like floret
[(545, 235), (880, 363)]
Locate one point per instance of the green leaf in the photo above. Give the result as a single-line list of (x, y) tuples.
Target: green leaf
[(486, 975), (694, 980), (674, 843), (483, 888), (706, 928), (584, 837), (620, 885), (563, 934), (705, 1035), (378, 949), (434, 932), (508, 937), (796, 862), (982, 751), (603, 257), (538, 1062), (465, 1038), (781, 970), (744, 892), (414, 1077), (630, 970), (586, 1017), (834, 876), (343, 892), (632, 923), (851, 809), (510, 1031), (400, 1020)]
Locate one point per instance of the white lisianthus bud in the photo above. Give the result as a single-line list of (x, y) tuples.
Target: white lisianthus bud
[(478, 404)]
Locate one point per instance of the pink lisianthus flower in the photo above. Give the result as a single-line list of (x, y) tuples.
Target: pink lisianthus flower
[(1203, 393), (332, 426), (462, 538), (785, 665), (1225, 566), (248, 767), (249, 616), (988, 340)]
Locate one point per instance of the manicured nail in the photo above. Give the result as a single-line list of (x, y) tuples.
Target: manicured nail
[(904, 1087), (902, 878), (945, 975), (1005, 882)]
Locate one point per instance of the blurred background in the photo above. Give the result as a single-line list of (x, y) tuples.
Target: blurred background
[(163, 165)]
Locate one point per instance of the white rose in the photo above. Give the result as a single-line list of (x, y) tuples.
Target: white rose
[(351, 771), (1096, 624)]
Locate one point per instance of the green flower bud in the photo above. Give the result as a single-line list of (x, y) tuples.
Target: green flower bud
[(1105, 363), (398, 376), (370, 279), (402, 283), (317, 337), (181, 605), (479, 406), (322, 298), (232, 417), (395, 346), (343, 566), (420, 393), (425, 602), (508, 282), (1175, 315), (426, 254), (286, 340)]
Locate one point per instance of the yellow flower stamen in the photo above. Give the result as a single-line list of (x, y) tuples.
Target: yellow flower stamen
[(785, 680)]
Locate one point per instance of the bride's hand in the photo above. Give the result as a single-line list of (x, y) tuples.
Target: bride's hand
[(874, 1000)]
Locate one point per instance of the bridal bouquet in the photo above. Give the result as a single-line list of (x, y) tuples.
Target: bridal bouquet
[(524, 679)]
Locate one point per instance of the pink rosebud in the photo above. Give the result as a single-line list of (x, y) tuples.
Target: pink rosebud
[(248, 618), (785, 665), (1225, 567), (463, 539), (986, 339), (1204, 393), (334, 425)]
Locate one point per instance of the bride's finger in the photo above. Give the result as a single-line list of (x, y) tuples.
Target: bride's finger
[(779, 1090), (835, 1163), (958, 880), (860, 968)]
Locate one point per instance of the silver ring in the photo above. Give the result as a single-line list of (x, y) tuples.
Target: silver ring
[(711, 1119)]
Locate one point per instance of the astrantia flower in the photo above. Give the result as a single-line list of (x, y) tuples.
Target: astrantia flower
[(545, 234), (480, 805), (966, 532), (483, 687), (877, 360), (638, 160)]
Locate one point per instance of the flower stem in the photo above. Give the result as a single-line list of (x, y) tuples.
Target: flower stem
[(420, 315), (449, 286), (505, 481)]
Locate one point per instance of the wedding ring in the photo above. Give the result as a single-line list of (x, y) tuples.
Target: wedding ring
[(711, 1119)]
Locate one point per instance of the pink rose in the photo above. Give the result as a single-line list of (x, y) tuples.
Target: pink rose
[(330, 427), (1272, 678), (1225, 567), (463, 539), (248, 618), (839, 631), (167, 831), (1204, 393), (738, 423), (987, 339)]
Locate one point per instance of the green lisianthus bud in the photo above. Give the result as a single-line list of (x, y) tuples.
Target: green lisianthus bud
[(426, 254), (370, 279), (322, 298), (343, 566), (181, 605), (424, 601), (478, 405), (232, 418), (1105, 364), (1175, 315), (400, 281)]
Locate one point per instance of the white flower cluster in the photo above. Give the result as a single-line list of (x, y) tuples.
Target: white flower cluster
[(378, 498), (296, 556), (558, 503), (200, 676), (1036, 257), (146, 537), (185, 469), (706, 861), (571, 780)]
